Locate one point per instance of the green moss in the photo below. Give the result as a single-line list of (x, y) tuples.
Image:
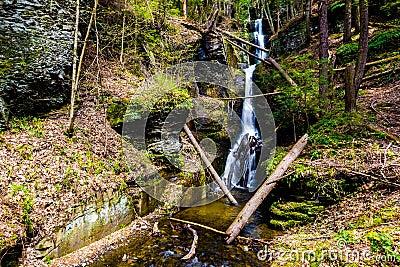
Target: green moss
[(115, 113), (288, 214), (346, 53), (379, 44)]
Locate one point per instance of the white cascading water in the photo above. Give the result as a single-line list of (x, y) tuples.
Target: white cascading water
[(238, 173)]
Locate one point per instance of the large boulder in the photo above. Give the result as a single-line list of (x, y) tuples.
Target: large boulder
[(36, 39)]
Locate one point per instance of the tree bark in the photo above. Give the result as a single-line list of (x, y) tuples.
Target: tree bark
[(362, 44), (324, 46), (267, 13), (357, 20), (350, 94), (74, 86), (251, 206), (308, 24), (278, 16), (184, 9), (209, 166), (347, 22)]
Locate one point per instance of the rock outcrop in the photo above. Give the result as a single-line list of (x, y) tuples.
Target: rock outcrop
[(36, 40)]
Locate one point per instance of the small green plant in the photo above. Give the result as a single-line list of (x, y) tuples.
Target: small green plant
[(33, 125), (47, 260), (383, 243), (27, 204)]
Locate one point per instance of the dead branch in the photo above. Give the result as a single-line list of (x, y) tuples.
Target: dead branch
[(194, 244), (373, 62), (209, 166), (247, 52), (241, 40), (251, 96), (264, 190), (199, 225), (281, 70), (247, 239)]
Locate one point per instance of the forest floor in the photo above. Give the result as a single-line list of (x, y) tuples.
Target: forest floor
[(362, 228)]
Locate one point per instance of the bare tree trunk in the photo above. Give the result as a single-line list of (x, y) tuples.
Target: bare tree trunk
[(357, 20), (121, 59), (347, 22), (291, 7), (324, 46), (75, 80), (287, 12), (70, 128), (282, 71), (350, 94), (278, 16), (251, 206), (362, 44), (267, 13), (308, 24), (184, 9)]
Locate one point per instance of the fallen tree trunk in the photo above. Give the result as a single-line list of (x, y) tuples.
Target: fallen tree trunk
[(251, 206), (267, 60), (242, 40), (373, 62), (282, 71), (209, 166), (247, 52)]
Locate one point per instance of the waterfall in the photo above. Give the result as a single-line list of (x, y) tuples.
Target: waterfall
[(240, 167)]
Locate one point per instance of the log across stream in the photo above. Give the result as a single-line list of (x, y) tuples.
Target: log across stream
[(212, 250)]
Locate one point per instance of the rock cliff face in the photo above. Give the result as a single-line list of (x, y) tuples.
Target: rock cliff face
[(36, 39)]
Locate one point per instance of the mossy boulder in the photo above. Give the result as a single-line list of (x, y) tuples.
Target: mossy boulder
[(289, 214)]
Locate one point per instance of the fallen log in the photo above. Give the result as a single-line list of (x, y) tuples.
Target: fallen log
[(247, 52), (251, 206), (373, 62), (267, 60), (242, 40), (281, 70), (209, 166)]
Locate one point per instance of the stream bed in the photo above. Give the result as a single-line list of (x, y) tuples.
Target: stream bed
[(174, 242)]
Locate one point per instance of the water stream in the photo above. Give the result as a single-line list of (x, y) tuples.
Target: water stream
[(212, 250), (240, 167)]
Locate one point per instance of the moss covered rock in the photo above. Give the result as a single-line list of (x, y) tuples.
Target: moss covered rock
[(289, 214)]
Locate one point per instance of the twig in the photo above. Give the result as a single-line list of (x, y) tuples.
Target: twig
[(372, 177), (385, 159), (194, 244), (252, 96), (198, 224), (248, 239)]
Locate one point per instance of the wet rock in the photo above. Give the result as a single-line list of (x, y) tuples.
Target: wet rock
[(36, 39), (211, 49)]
